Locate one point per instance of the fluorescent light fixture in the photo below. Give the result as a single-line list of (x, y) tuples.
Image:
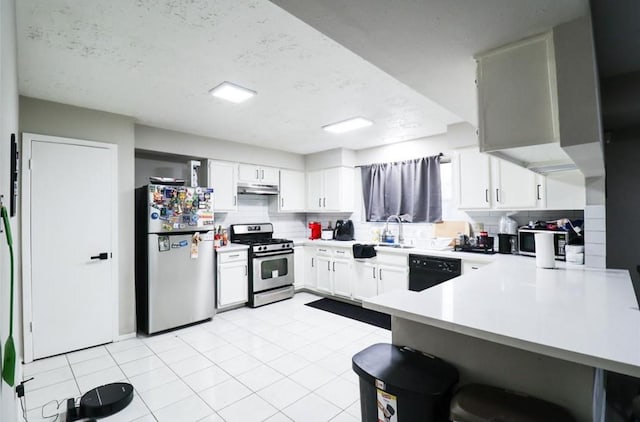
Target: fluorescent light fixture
[(231, 92), (347, 125)]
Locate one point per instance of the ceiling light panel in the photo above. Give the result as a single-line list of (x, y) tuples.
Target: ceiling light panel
[(232, 92), (348, 125)]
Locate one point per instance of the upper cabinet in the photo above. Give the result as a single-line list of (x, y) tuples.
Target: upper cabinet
[(292, 191), (485, 182), (330, 190), (249, 173), (538, 101), (222, 178), (517, 95)]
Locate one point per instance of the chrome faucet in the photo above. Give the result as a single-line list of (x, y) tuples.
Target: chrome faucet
[(400, 235)]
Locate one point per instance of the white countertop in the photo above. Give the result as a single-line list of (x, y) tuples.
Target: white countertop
[(583, 315), (231, 247)]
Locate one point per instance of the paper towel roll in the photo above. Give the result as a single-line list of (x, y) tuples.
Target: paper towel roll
[(545, 252)]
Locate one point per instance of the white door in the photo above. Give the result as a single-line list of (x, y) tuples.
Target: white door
[(70, 199), (473, 180), (269, 175), (515, 186), (311, 264), (323, 274), (392, 278), (233, 284), (342, 276), (248, 173), (366, 280), (292, 197), (331, 194), (222, 178), (314, 190)]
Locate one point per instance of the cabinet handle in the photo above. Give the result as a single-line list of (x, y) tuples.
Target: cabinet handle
[(380, 274), (324, 202), (281, 202), (538, 190), (486, 195), (328, 265), (374, 272), (246, 270), (341, 252), (319, 202), (234, 255), (322, 250), (257, 174), (334, 266), (312, 263), (497, 195), (235, 200), (262, 175)]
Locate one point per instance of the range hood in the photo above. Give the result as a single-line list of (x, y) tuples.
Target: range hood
[(257, 189)]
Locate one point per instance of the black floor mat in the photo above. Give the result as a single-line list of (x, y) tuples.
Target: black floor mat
[(356, 312)]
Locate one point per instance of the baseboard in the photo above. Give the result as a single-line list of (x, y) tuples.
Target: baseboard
[(125, 337)]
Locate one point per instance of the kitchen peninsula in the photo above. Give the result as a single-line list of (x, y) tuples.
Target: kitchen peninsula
[(546, 332)]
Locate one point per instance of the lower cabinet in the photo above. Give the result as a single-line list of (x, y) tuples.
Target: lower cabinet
[(333, 270), (299, 264), (233, 278), (392, 278)]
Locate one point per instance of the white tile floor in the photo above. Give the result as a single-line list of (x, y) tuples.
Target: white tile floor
[(281, 362)]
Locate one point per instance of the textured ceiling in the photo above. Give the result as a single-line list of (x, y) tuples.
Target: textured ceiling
[(429, 44), (155, 60)]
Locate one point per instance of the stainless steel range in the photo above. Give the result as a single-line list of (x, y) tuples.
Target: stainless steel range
[(270, 263)]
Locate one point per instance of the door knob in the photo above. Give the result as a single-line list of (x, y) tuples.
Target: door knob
[(101, 256)]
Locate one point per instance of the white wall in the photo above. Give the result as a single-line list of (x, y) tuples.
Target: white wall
[(168, 141), (9, 409), (49, 118)]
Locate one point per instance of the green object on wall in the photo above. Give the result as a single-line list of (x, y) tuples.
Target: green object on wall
[(9, 362)]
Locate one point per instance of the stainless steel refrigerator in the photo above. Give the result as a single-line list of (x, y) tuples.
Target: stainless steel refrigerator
[(174, 256)]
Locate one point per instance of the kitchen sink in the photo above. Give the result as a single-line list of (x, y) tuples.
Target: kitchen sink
[(396, 245)]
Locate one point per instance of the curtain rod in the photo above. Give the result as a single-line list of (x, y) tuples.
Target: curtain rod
[(443, 160)]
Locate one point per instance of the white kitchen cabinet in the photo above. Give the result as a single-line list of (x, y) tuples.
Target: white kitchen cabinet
[(564, 191), (249, 173), (391, 277), (310, 268), (334, 270), (330, 190), (366, 280), (299, 266), (292, 191), (517, 95), (474, 180), (223, 180), (515, 186), (233, 281)]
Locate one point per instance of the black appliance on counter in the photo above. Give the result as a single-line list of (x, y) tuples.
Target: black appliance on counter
[(343, 230), (507, 243), (427, 271), (270, 263)]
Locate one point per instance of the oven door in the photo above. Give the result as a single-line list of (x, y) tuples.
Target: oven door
[(272, 269)]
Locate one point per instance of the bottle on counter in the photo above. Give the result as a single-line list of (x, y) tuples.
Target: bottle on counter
[(225, 237)]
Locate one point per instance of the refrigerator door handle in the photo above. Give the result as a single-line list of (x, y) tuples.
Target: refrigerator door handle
[(101, 256)]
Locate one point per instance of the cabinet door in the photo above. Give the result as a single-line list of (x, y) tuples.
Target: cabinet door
[(299, 266), (342, 277), (515, 187), (565, 191), (324, 274), (222, 178), (517, 95), (292, 191), (233, 284), (474, 178), (365, 281), (314, 190), (392, 278), (269, 175), (332, 189), (249, 173), (311, 269)]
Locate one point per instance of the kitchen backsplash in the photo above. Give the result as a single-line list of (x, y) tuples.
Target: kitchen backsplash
[(255, 209)]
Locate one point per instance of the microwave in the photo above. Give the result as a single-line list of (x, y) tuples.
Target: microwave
[(527, 244)]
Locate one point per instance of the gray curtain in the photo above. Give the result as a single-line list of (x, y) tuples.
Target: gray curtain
[(409, 187)]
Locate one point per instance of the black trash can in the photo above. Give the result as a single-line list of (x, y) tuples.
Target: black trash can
[(398, 384)]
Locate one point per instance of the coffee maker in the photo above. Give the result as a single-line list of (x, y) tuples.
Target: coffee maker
[(344, 230)]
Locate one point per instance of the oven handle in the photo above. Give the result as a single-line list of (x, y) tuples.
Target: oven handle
[(264, 254)]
